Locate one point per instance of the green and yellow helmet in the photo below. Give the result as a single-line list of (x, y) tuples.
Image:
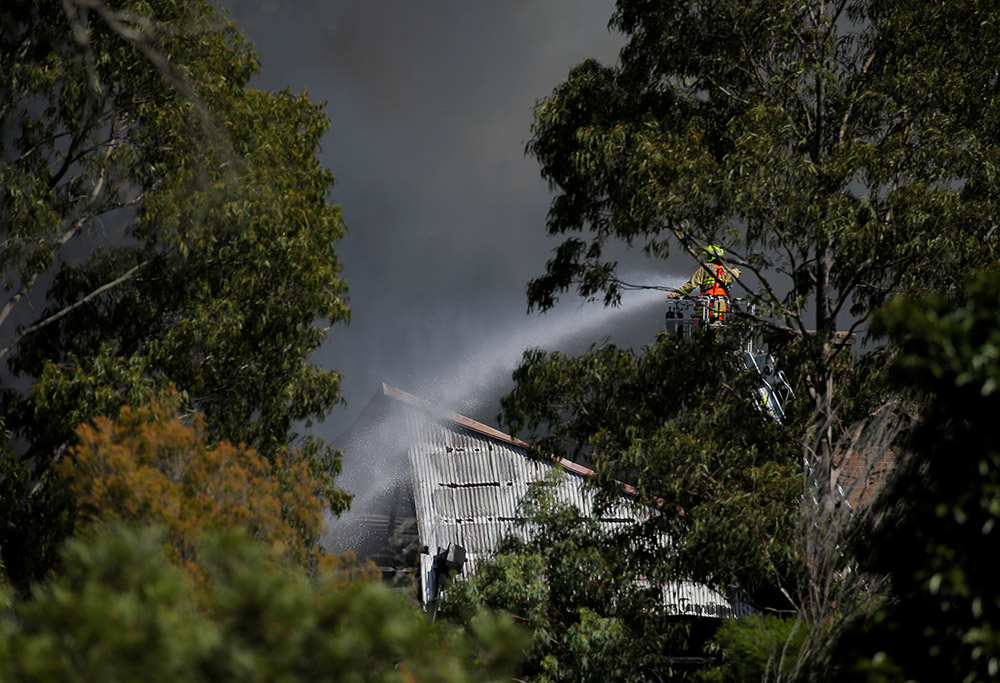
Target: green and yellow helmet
[(712, 252)]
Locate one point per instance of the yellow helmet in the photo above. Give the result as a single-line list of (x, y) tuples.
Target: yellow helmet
[(712, 252)]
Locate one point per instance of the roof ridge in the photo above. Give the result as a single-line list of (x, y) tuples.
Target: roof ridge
[(467, 422)]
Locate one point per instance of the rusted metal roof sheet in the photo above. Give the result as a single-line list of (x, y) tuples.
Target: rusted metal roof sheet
[(469, 480)]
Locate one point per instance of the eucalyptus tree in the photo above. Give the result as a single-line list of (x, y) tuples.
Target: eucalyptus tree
[(162, 224), (842, 152)]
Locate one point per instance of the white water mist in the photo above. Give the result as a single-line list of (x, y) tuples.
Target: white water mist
[(475, 379)]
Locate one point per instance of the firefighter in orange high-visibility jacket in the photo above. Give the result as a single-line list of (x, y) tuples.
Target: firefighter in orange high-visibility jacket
[(714, 279)]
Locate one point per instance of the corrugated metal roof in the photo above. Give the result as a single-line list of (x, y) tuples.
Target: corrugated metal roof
[(469, 480)]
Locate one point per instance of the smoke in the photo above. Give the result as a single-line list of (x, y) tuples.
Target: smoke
[(430, 106), (471, 381), (373, 465)]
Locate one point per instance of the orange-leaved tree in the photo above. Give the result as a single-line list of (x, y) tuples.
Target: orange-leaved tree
[(153, 467)]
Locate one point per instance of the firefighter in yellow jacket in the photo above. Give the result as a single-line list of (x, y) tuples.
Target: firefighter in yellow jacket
[(714, 279)]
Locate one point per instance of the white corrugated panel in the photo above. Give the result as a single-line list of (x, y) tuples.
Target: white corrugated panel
[(467, 491)]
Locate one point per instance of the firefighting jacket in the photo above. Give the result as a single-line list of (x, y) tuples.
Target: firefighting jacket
[(713, 279)]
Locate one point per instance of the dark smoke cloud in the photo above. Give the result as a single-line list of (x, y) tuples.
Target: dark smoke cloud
[(431, 107)]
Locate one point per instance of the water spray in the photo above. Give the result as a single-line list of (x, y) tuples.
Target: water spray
[(474, 378), (497, 352)]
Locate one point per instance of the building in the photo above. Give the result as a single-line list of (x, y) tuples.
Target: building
[(436, 492)]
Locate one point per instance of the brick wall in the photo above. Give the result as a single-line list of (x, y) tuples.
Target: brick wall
[(862, 480)]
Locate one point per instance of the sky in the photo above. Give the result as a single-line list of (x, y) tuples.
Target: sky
[(431, 107)]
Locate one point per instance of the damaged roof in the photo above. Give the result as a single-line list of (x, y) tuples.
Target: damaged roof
[(463, 483)]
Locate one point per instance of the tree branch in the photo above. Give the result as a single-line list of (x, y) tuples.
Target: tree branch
[(853, 99), (91, 211), (26, 286), (130, 273)]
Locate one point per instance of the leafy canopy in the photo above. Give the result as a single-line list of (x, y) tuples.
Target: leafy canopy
[(580, 594), (118, 611), (842, 153), (693, 444), (150, 468), (938, 519), (220, 244), (162, 225)]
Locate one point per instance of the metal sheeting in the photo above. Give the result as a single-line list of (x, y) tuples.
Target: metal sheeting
[(467, 489), (692, 599)]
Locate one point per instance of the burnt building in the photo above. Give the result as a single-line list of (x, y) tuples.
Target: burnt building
[(437, 491)]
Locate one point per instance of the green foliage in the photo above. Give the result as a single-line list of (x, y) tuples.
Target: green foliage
[(169, 227), (940, 515), (755, 648), (592, 612), (119, 612), (842, 151), (686, 434), (35, 517)]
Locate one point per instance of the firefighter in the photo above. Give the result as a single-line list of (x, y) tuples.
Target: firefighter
[(714, 279)]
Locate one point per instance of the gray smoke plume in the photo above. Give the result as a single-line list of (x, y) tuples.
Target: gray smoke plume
[(431, 106)]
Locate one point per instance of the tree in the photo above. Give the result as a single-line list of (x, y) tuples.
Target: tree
[(119, 611), (173, 227), (591, 612), (149, 468), (749, 648), (692, 444), (937, 521), (842, 153), (719, 475)]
